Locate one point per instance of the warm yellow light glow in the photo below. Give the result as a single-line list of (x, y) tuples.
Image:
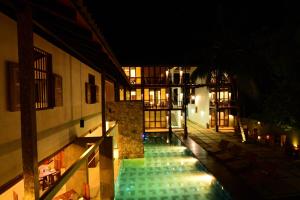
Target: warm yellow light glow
[(258, 122), (116, 153), (167, 73), (202, 113), (132, 72), (193, 97), (197, 99), (106, 125), (295, 143), (209, 116), (181, 72), (267, 137), (206, 178), (258, 137)]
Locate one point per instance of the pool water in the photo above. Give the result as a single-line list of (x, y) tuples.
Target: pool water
[(166, 173)]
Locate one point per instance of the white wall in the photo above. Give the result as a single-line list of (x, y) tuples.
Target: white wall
[(56, 127), (202, 103)]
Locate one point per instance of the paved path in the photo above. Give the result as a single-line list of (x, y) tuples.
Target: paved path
[(273, 175)]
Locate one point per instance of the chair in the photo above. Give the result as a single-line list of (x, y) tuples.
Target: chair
[(43, 182)]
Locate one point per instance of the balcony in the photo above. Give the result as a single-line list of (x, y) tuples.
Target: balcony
[(162, 104)]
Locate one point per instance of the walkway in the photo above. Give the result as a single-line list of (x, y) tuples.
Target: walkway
[(266, 170)]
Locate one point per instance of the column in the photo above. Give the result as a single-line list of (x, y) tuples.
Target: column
[(106, 169), (170, 109), (184, 104), (142, 88), (117, 91), (27, 100), (103, 101)]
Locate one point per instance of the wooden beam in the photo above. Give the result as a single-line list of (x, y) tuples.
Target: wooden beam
[(27, 99), (60, 24)]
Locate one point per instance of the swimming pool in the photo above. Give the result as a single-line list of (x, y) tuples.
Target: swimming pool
[(166, 173)]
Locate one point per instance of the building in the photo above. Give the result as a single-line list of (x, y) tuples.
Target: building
[(162, 89), (57, 74), (59, 101), (215, 94)]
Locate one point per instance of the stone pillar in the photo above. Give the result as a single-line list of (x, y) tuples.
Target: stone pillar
[(27, 99), (106, 169)]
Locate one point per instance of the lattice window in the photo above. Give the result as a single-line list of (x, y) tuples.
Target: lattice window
[(42, 75)]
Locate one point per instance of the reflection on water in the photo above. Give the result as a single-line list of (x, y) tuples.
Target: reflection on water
[(166, 172)]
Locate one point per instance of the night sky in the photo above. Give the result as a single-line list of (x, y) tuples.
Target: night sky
[(153, 33)]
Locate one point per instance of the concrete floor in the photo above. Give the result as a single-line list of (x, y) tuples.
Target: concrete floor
[(280, 183)]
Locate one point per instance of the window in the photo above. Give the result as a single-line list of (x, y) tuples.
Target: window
[(44, 86), (134, 74), (42, 74), (155, 119), (91, 90)]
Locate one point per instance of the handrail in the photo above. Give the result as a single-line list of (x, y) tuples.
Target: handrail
[(49, 194), (111, 128)]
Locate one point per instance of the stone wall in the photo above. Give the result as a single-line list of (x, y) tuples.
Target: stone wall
[(129, 115)]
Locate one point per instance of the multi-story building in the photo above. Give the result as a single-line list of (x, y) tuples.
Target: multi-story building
[(57, 74), (161, 88), (59, 86), (214, 103)]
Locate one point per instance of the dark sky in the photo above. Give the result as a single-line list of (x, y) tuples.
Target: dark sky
[(175, 33)]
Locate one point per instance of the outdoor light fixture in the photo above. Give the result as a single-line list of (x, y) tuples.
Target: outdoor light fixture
[(181, 72), (295, 143), (258, 137), (202, 113), (81, 122), (107, 125), (258, 122)]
